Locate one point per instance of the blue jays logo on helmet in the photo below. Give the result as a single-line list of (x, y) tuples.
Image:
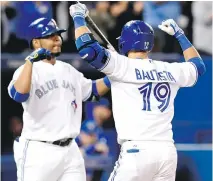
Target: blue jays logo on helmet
[(136, 36), (41, 28)]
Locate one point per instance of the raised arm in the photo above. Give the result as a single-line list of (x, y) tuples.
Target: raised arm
[(190, 53), (23, 82), (19, 87), (88, 47)]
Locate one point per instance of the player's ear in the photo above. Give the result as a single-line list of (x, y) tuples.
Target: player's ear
[(36, 43)]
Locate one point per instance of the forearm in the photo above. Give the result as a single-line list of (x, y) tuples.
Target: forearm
[(80, 26), (88, 47), (23, 83), (81, 30), (189, 50), (191, 54), (102, 87)]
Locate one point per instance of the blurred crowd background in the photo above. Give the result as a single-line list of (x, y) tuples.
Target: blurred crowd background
[(192, 124), (194, 17)]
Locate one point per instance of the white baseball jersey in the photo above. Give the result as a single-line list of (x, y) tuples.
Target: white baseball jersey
[(54, 109), (143, 93)]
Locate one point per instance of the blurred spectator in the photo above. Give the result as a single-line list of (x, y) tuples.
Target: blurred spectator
[(92, 140), (61, 15), (203, 136), (16, 126), (4, 23), (26, 12), (123, 11), (102, 18), (202, 26), (154, 13), (185, 20), (8, 39), (186, 168), (137, 9)]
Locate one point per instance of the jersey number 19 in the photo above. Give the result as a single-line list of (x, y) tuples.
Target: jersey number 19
[(161, 92)]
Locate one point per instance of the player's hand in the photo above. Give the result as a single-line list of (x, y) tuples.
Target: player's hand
[(78, 9), (39, 54), (169, 26)]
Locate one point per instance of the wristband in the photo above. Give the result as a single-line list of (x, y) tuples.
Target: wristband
[(79, 21), (184, 42)]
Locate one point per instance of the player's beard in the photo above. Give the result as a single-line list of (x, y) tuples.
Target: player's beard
[(56, 54)]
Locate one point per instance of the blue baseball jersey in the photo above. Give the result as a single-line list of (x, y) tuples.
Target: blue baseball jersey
[(90, 127)]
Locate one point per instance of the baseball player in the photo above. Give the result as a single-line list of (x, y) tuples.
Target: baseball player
[(51, 93), (92, 139), (143, 93)]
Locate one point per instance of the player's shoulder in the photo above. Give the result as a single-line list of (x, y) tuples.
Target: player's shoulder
[(20, 68), (155, 61), (60, 62), (172, 64), (67, 65), (162, 63)]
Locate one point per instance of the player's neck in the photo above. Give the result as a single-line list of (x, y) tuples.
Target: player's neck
[(52, 61), (136, 55)]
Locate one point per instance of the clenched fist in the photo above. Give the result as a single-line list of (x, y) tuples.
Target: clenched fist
[(39, 54), (169, 26), (78, 9)]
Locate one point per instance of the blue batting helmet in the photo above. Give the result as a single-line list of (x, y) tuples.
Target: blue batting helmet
[(136, 36), (41, 28)]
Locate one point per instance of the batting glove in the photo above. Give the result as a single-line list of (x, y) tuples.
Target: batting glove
[(78, 9), (169, 26), (39, 54)]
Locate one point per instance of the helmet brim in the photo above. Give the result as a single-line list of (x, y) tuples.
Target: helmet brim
[(58, 31)]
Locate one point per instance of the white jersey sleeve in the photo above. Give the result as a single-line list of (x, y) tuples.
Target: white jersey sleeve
[(116, 66), (185, 73), (15, 77)]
